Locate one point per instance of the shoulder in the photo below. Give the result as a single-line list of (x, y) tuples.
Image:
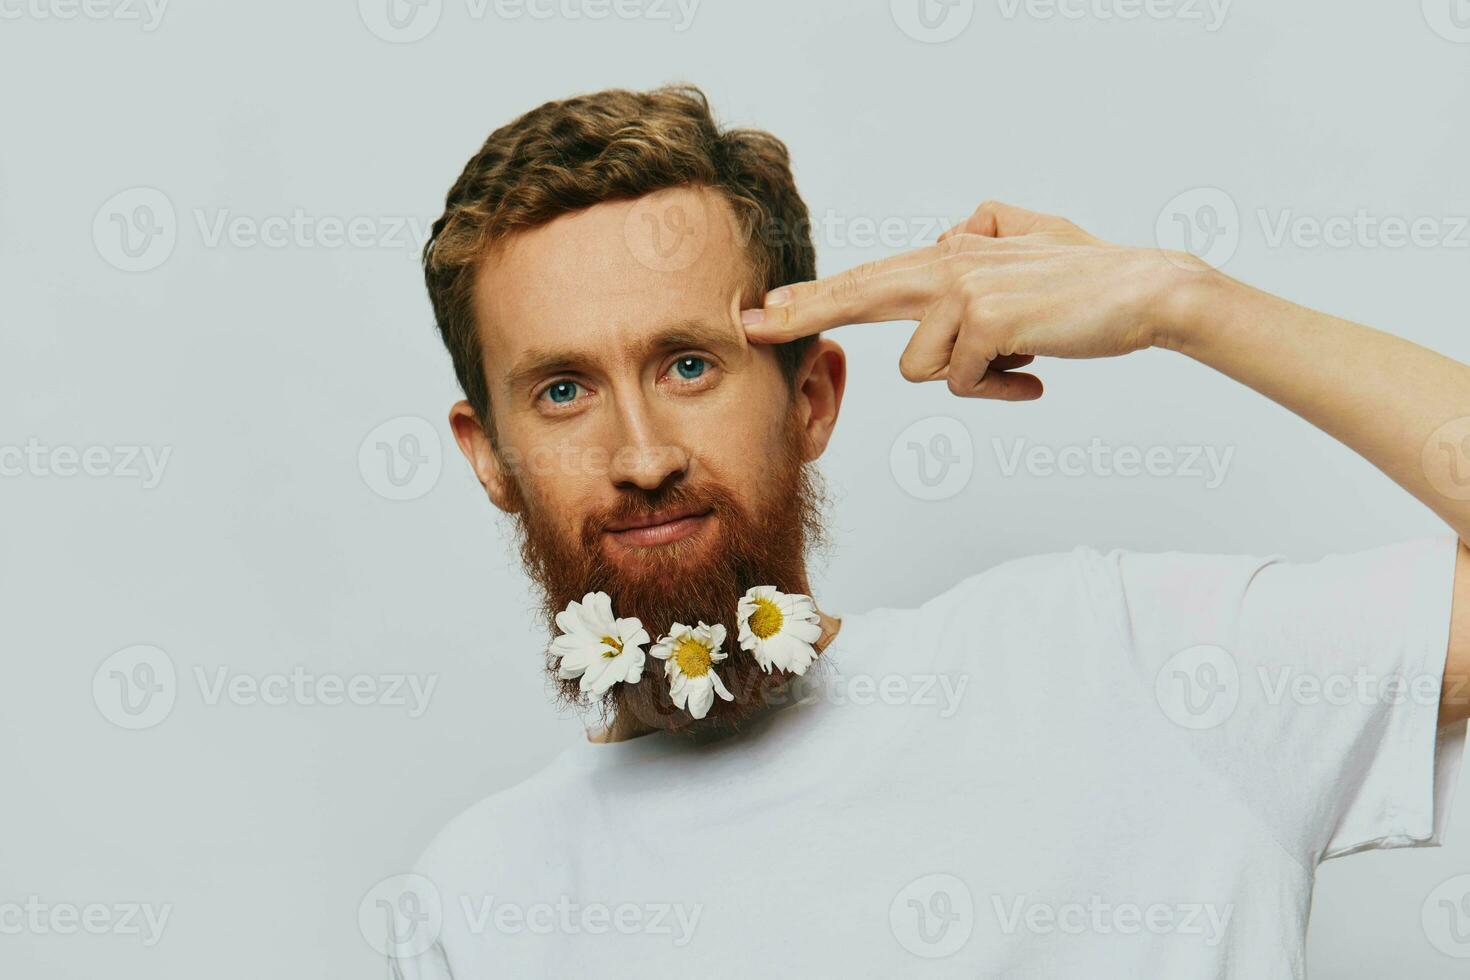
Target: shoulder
[(1008, 609), (493, 837), (1035, 584)]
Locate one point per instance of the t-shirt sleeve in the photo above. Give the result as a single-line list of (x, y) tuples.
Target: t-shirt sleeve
[(1313, 689)]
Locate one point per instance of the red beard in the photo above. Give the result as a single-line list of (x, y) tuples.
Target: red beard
[(692, 580)]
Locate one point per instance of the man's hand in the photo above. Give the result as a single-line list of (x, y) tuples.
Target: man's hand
[(1007, 285), (999, 289)]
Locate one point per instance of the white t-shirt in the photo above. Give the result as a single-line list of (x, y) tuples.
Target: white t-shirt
[(1079, 765)]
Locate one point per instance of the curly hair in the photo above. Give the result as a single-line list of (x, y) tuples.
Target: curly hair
[(569, 155)]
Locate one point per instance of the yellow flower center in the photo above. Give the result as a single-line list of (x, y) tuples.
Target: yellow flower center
[(617, 647), (692, 657), (766, 621)]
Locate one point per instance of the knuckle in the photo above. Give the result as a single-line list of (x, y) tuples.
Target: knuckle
[(778, 322), (983, 313), (974, 294), (957, 386), (909, 368), (960, 242), (846, 286), (957, 264)]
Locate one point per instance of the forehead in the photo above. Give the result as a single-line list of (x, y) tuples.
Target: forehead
[(607, 276)]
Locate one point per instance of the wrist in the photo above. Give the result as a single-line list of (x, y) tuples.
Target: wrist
[(1191, 297)]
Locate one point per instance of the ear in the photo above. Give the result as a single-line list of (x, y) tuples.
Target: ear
[(489, 469), (820, 381)]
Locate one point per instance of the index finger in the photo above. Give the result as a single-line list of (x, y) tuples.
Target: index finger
[(896, 288)]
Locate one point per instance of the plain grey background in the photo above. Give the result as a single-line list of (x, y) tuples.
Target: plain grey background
[(264, 332)]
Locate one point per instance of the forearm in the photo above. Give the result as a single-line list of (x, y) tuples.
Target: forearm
[(1404, 408)]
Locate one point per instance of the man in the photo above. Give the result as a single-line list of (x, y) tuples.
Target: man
[(1125, 779)]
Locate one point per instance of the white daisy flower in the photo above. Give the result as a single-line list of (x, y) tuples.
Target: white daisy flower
[(779, 629), (689, 654), (596, 646)]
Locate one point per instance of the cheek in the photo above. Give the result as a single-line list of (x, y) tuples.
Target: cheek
[(560, 482), (743, 438)]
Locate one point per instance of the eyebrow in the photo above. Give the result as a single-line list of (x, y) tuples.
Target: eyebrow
[(541, 362)]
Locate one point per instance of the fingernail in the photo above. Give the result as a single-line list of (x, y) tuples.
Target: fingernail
[(750, 318), (777, 296)]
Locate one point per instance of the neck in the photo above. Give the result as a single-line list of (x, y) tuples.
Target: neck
[(623, 728)]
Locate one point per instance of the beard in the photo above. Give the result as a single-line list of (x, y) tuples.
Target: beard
[(699, 578)]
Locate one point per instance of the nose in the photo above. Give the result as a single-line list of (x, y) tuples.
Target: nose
[(644, 456)]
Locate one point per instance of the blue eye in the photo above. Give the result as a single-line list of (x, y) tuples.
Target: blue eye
[(562, 392), (690, 368)]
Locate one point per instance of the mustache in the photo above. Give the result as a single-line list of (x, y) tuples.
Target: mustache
[(638, 507)]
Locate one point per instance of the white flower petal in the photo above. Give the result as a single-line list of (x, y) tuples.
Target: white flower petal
[(592, 677), (701, 697), (797, 655), (719, 687), (599, 607), (760, 650), (805, 631), (569, 620), (574, 657)]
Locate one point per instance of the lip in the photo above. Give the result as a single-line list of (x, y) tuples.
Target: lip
[(660, 527)]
